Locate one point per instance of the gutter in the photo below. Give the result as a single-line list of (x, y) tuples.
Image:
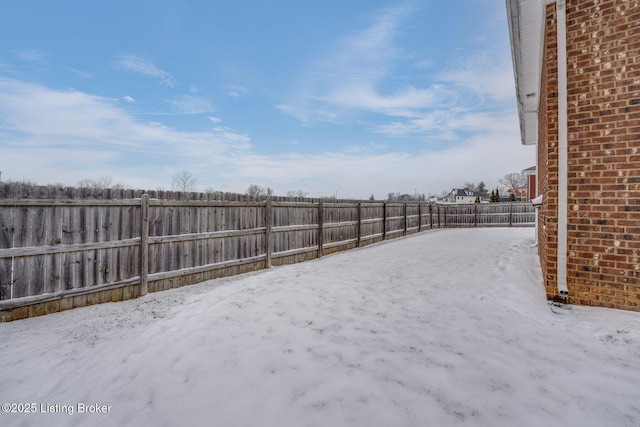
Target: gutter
[(527, 109), (562, 149)]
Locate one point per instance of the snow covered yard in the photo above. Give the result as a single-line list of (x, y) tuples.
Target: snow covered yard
[(438, 329)]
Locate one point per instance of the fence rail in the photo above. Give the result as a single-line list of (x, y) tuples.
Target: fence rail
[(53, 249)]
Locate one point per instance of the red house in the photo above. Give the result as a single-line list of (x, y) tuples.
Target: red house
[(530, 182)]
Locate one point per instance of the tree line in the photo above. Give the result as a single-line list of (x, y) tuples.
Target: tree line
[(184, 181)]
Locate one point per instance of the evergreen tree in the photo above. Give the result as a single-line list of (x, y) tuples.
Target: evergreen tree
[(482, 189)]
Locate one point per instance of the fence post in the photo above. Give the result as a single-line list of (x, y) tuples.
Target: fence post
[(419, 217), (384, 220), (430, 216), (445, 216), (475, 214), (320, 228), (359, 227), (404, 208), (510, 214), (144, 244), (267, 232)]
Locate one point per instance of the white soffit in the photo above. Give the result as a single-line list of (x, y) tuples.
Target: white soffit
[(526, 18)]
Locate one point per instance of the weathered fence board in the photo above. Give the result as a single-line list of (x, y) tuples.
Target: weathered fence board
[(55, 248), (371, 222)]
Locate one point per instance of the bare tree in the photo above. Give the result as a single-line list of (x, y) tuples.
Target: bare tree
[(256, 191), (297, 193), (512, 181), (183, 181), (119, 186), (405, 197), (101, 183)]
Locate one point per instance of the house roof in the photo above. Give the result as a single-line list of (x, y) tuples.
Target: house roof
[(526, 31), (463, 192)]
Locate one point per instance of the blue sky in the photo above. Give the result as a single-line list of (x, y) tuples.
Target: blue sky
[(335, 97)]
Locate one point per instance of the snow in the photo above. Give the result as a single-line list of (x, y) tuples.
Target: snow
[(443, 328)]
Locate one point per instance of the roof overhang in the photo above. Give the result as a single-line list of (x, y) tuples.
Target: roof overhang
[(526, 31)]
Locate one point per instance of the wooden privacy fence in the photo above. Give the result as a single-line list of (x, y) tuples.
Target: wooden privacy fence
[(57, 254)]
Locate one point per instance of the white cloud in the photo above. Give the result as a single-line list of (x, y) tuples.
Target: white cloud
[(237, 91), (485, 75), (299, 113), (55, 166), (364, 75), (359, 173), (349, 76), (241, 140), (85, 75), (128, 99), (215, 119), (34, 119), (448, 125), (77, 135), (141, 65), (33, 55), (365, 97), (190, 104)]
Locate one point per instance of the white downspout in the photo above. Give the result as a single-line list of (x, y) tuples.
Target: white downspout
[(535, 241), (562, 148)]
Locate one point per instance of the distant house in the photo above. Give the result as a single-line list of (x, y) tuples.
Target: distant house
[(462, 196), (520, 194), (577, 72), (530, 185), (514, 195)]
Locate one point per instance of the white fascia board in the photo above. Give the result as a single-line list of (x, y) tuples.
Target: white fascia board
[(526, 32)]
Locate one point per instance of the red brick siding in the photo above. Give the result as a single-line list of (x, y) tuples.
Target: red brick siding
[(603, 62), (531, 187), (603, 55), (548, 156)]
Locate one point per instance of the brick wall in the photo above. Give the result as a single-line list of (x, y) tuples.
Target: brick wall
[(548, 156), (603, 55), (603, 61), (532, 188)]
